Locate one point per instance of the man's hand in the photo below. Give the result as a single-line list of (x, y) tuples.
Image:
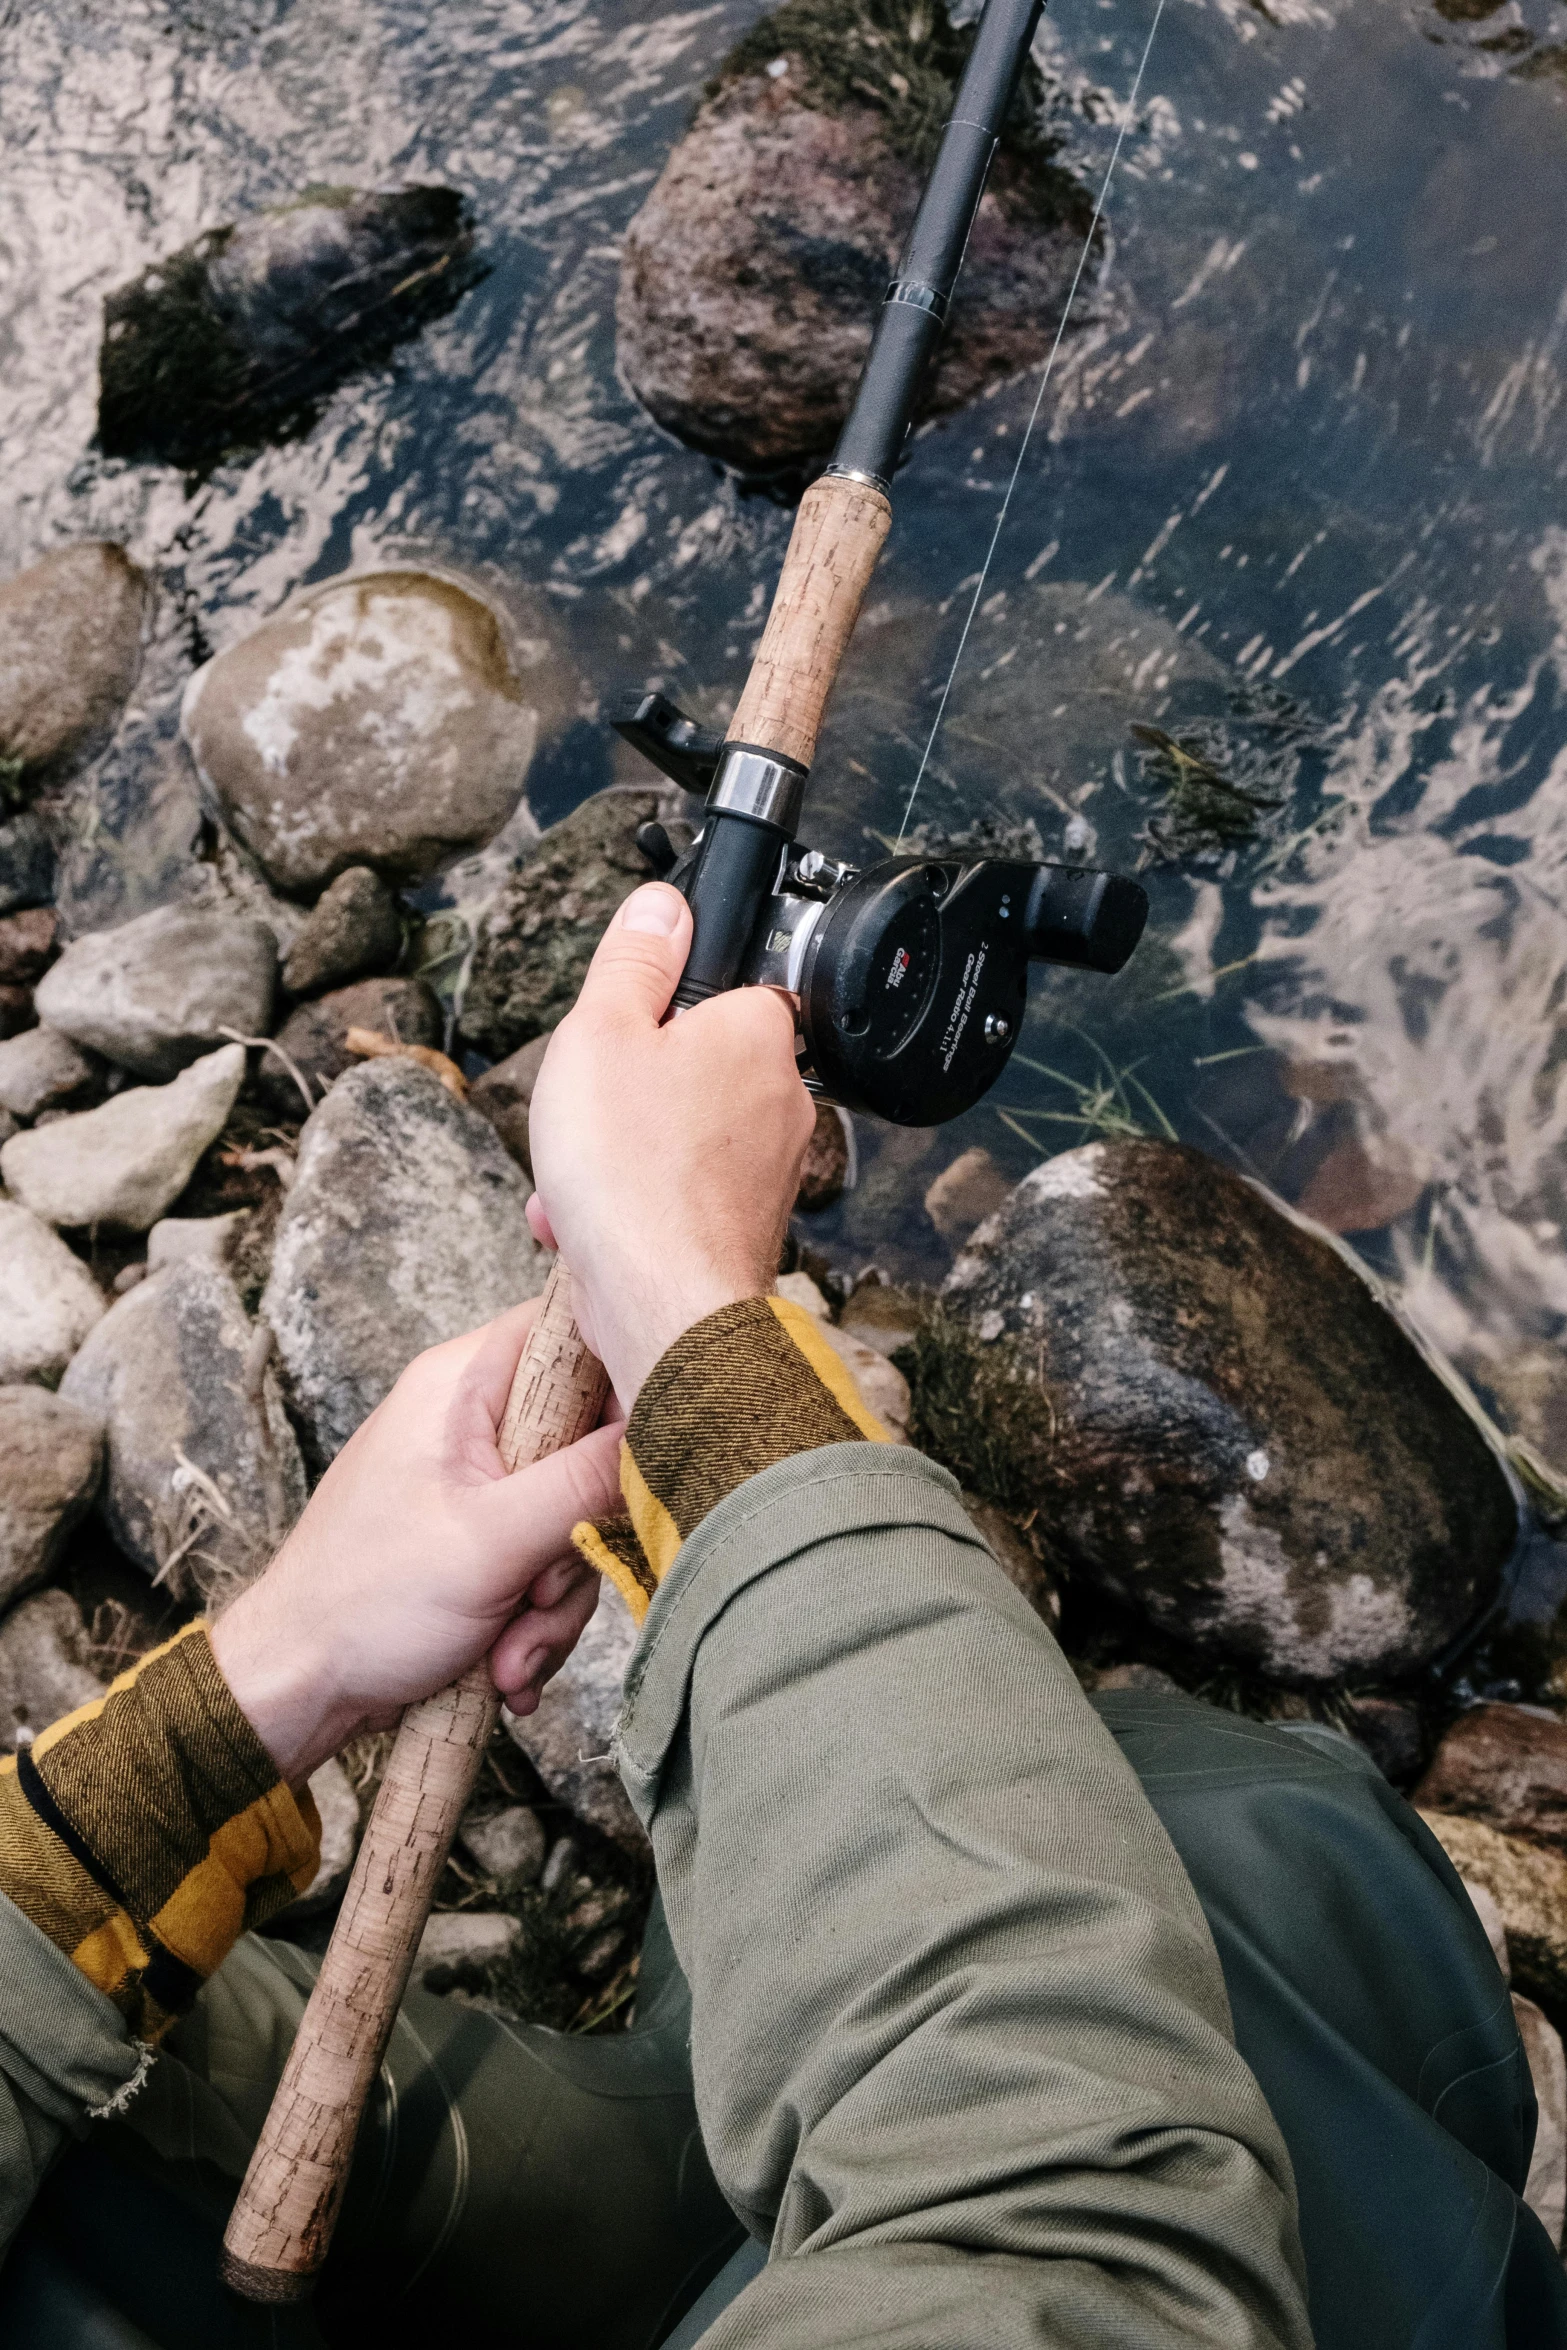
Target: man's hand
[(417, 1554), (667, 1158)]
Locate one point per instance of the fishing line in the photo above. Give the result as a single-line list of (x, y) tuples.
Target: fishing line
[(1039, 401)]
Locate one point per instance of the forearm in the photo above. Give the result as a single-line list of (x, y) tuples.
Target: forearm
[(954, 2000)]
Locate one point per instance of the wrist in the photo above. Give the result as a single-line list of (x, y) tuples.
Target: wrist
[(282, 1683), (650, 1315)]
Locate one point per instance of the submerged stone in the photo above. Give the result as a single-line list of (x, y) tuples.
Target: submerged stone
[(1221, 1423), (71, 630), (751, 277), (376, 720), (236, 339)]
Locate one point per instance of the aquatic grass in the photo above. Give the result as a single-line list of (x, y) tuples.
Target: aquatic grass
[(1105, 1106), (1205, 809)]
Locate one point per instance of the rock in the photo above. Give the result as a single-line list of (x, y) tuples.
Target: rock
[(1228, 1428), (1529, 1886), (315, 1035), (43, 1070), (27, 945), (535, 943), (129, 1277), (508, 1846), (16, 1010), (257, 322), (1135, 1676), (26, 863), (567, 1740), (51, 1456), (800, 1290), (1506, 1764), (375, 720), (403, 1226), (157, 993), (48, 1299), (338, 1806), (965, 1193), (8, 1126), (1017, 1561), (1545, 2190), (43, 1670), (126, 1162), (175, 1240), (1392, 1733), (354, 927), (825, 1169), (881, 1315), (71, 632), (205, 1477), (750, 279), (503, 1095), (458, 1948), (1488, 1910), (883, 1388)]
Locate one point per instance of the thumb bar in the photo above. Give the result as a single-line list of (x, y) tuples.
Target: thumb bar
[(281, 2227)]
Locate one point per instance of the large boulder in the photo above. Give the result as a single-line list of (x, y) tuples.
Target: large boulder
[(1219, 1419), (750, 279), (404, 1225), (1506, 1764), (356, 926), (71, 631), (537, 940), (1528, 1883), (42, 1070), (157, 993), (315, 1036), (51, 1456), (205, 1477), (236, 338), (375, 720), (44, 1668), (567, 1737), (125, 1163), (48, 1299)]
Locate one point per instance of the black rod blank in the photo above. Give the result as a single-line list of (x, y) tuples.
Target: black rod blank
[(915, 308)]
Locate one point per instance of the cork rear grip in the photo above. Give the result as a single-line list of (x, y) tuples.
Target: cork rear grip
[(281, 2226), (837, 537)]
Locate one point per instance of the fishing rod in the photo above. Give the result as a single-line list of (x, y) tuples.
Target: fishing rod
[(912, 981)]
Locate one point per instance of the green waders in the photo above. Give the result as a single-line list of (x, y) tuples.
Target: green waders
[(517, 2188)]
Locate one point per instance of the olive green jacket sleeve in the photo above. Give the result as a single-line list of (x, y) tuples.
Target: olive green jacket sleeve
[(962, 2051)]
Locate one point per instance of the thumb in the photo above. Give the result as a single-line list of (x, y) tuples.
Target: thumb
[(640, 957)]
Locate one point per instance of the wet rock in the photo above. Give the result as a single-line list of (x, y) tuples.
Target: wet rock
[(508, 1846), (503, 1095), (882, 1387), (1488, 1910), (882, 1315), (157, 993), (26, 863), (375, 720), (567, 1740), (125, 1163), (315, 1036), (1018, 1563), (338, 1806), (51, 1456), (965, 1193), (403, 1226), (1392, 1733), (204, 1476), (27, 945), (256, 323), (825, 1168), (1528, 1883), (1132, 1676), (176, 1240), (354, 927), (458, 1949), (43, 1070), (48, 1299), (43, 1669), (536, 942), (1545, 2190), (71, 632), (750, 279), (1506, 1764), (1230, 1431)]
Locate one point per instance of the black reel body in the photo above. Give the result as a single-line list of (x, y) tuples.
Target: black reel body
[(912, 976)]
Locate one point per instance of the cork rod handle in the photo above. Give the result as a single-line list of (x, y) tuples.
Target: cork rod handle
[(281, 2227), (837, 537)]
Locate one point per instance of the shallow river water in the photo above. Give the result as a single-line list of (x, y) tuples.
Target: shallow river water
[(1295, 496)]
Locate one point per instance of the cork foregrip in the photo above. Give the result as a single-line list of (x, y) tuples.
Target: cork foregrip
[(837, 537), (281, 2226)]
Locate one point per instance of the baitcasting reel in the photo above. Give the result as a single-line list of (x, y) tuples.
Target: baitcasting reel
[(912, 976)]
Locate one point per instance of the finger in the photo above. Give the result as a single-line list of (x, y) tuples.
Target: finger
[(640, 957), (536, 1644), (539, 1224), (527, 1518), (489, 1356)]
